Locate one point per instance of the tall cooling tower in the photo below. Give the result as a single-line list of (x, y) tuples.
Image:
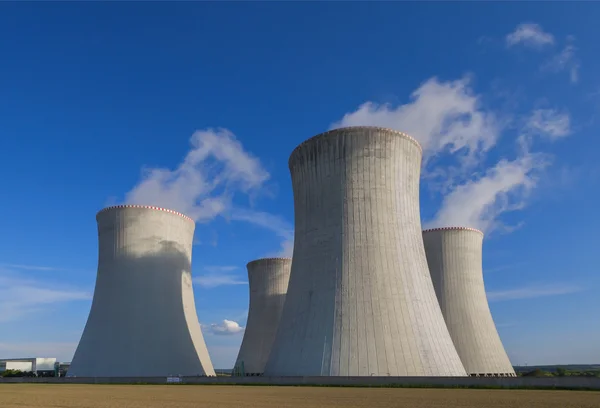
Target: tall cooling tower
[(143, 318), (268, 279), (455, 261), (360, 300)]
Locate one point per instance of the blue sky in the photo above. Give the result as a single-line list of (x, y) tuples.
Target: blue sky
[(104, 103)]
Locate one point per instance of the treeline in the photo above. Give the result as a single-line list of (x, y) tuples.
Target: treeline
[(19, 373), (16, 373), (559, 372)]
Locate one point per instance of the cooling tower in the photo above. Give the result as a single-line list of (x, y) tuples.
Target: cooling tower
[(360, 300), (454, 256), (143, 320), (268, 279)]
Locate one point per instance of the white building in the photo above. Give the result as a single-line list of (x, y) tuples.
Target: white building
[(28, 364)]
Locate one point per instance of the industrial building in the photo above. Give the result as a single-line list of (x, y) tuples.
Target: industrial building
[(454, 256), (143, 318), (360, 299), (62, 368), (268, 282), (35, 365)]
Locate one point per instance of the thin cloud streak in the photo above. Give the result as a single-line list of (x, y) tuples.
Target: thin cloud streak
[(278, 225), (30, 267), (21, 297), (504, 267), (565, 60), (216, 269), (532, 292), (213, 280), (530, 35)]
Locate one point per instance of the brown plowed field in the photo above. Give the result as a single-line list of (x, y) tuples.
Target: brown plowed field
[(205, 396)]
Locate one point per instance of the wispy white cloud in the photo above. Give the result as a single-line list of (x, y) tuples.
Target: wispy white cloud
[(549, 123), (22, 296), (219, 276), (277, 224), (479, 202), (442, 116), (532, 35), (203, 184), (30, 267), (227, 268), (226, 328), (529, 35), (565, 60), (532, 292), (545, 124)]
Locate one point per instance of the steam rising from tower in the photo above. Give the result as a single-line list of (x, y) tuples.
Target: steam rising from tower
[(143, 318)]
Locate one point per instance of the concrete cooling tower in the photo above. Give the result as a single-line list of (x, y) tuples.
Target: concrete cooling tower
[(454, 255), (360, 300), (268, 279), (143, 318)]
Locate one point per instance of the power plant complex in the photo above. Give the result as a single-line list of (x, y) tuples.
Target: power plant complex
[(366, 293)]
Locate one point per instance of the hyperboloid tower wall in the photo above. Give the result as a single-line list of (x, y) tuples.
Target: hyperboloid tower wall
[(455, 261), (360, 300), (143, 320), (268, 280)]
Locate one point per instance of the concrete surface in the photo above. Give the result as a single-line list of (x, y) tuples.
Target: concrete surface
[(360, 300), (454, 255), (268, 282), (143, 318)]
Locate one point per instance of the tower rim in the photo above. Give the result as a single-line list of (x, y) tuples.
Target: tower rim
[(276, 258), (148, 207), (327, 133), (453, 228)]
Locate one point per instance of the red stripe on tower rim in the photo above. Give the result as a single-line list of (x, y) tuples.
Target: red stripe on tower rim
[(148, 207), (269, 259), (350, 128), (453, 229)]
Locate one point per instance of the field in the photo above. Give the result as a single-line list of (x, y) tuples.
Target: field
[(204, 396)]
